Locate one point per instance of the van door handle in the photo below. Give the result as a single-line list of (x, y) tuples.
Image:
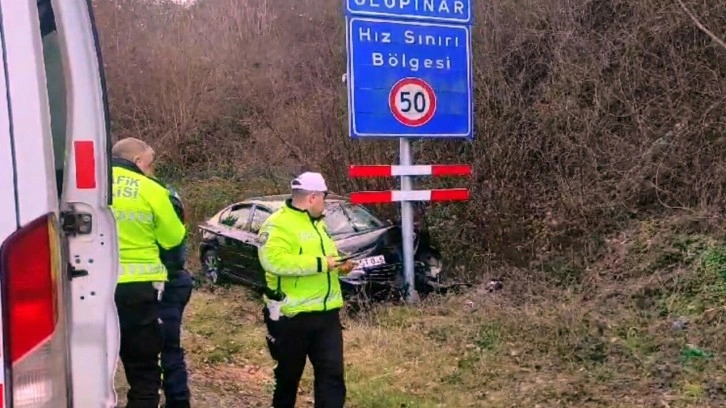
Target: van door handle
[(76, 273)]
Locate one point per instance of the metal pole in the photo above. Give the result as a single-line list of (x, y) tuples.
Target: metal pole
[(406, 159)]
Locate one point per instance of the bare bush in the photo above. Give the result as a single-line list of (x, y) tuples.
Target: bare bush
[(587, 113)]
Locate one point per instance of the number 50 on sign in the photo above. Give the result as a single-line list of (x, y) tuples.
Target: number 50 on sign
[(412, 101)]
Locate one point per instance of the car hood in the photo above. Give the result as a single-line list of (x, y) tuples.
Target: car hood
[(383, 241)]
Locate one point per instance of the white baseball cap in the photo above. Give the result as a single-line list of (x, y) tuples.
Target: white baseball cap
[(309, 181)]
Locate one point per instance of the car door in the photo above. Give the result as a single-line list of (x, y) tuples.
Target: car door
[(233, 225)]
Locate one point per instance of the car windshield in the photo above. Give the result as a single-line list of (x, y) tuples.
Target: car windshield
[(345, 218)]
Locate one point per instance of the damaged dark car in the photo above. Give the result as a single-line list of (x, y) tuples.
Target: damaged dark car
[(228, 250)]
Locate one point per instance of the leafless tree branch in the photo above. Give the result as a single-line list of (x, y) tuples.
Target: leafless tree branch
[(701, 26)]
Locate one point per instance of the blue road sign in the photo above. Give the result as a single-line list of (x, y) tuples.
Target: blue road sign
[(409, 79), (448, 11)]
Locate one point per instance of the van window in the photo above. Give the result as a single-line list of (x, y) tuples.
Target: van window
[(56, 87)]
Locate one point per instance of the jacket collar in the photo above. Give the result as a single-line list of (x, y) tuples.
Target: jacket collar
[(130, 166), (126, 164)]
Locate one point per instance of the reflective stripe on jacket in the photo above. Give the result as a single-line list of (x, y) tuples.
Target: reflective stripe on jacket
[(144, 217), (293, 251)]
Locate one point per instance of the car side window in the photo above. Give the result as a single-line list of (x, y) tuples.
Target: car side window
[(259, 216), (236, 218)]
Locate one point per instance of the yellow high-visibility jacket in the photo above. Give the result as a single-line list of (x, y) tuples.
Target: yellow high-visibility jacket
[(144, 217), (293, 250)]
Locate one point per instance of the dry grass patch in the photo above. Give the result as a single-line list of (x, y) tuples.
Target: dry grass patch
[(650, 336)]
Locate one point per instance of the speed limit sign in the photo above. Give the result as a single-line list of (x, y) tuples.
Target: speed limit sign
[(412, 101)]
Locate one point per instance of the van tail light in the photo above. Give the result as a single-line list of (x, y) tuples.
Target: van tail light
[(32, 270)]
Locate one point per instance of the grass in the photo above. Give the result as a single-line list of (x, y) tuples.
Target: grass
[(643, 328)]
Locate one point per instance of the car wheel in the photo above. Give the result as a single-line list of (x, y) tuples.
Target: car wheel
[(210, 266)]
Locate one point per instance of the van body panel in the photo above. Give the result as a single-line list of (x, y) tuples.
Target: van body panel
[(95, 329), (8, 200), (32, 140)]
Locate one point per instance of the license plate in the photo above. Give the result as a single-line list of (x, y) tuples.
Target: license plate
[(372, 261)]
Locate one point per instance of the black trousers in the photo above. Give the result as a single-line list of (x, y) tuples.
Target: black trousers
[(316, 335), (177, 293), (141, 342)]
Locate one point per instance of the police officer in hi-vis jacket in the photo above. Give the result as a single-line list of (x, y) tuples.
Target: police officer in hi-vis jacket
[(303, 296), (145, 221)]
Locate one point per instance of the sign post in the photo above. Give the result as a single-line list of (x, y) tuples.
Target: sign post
[(406, 159), (409, 76)]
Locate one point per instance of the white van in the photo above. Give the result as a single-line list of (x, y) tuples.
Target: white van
[(58, 254)]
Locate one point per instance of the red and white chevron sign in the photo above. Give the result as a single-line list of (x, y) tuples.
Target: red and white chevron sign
[(435, 170), (393, 196)]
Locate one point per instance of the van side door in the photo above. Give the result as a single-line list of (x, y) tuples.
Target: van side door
[(80, 119)]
